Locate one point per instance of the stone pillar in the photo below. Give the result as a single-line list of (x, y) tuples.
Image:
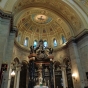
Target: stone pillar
[(64, 77), (4, 34), (9, 48), (15, 79), (18, 78), (76, 65), (8, 55), (9, 78)]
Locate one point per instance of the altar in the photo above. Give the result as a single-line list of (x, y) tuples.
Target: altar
[(40, 86)]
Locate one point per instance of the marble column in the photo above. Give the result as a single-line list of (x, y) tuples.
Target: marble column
[(4, 34), (9, 80), (76, 65), (64, 77), (18, 78), (15, 79)]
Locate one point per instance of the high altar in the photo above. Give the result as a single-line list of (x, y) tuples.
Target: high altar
[(41, 67)]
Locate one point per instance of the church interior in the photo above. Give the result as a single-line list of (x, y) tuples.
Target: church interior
[(43, 43)]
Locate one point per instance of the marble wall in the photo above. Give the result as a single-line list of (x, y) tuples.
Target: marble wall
[(21, 54), (83, 56), (4, 35)]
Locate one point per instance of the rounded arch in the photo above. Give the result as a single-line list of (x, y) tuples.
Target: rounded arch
[(56, 64), (26, 41), (67, 62), (45, 43), (55, 43), (24, 61), (35, 43), (16, 60), (63, 38), (66, 59)]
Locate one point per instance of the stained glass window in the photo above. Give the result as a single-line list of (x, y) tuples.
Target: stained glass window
[(55, 42), (45, 43), (26, 42), (63, 39), (35, 43)]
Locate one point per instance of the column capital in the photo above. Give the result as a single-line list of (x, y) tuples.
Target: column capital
[(63, 68), (18, 69)]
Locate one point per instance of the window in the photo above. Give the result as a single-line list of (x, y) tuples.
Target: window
[(63, 39), (35, 43), (26, 42), (19, 37), (54, 42), (45, 43)]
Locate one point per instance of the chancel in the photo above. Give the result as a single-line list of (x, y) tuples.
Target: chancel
[(41, 58), (43, 43)]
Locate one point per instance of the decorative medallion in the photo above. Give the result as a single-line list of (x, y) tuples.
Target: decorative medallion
[(41, 19)]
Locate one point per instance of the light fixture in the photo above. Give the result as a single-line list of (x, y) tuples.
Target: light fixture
[(12, 73), (74, 75)]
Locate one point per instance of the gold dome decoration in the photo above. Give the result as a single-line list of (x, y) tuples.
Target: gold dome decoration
[(57, 6), (37, 23), (41, 19)]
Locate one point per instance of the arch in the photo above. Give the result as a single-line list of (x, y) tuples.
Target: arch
[(16, 60), (24, 61), (45, 43), (63, 39), (67, 63), (35, 43), (26, 41), (54, 42), (65, 59), (57, 64)]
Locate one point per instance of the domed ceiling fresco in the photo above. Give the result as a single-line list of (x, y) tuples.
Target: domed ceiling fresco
[(43, 19), (37, 23), (40, 22)]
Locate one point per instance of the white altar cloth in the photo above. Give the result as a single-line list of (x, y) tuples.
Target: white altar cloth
[(40, 86)]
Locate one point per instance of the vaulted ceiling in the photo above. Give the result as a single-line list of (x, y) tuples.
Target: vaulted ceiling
[(48, 18)]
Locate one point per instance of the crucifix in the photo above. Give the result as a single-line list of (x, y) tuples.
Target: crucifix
[(41, 18)]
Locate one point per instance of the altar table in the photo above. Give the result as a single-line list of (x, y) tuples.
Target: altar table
[(40, 86)]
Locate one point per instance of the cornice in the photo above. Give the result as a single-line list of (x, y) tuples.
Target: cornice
[(77, 38), (81, 35), (5, 14)]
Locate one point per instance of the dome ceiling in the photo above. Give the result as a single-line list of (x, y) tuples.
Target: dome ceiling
[(40, 22), (58, 7), (43, 19)]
